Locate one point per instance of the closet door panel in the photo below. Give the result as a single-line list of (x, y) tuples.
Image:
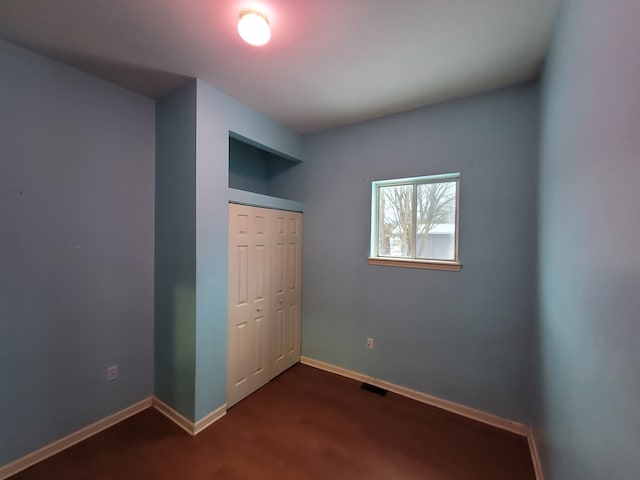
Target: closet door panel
[(294, 242), (265, 267), (287, 277), (249, 293), (279, 291)]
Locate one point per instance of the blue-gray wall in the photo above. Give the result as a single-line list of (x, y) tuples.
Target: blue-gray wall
[(76, 249), (588, 377), (192, 195), (252, 168), (460, 336), (217, 115), (247, 167), (175, 250)]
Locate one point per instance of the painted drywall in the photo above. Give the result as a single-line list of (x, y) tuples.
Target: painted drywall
[(175, 250), (588, 387), (192, 177), (462, 336), (76, 249), (216, 116), (265, 201), (251, 168), (247, 167)]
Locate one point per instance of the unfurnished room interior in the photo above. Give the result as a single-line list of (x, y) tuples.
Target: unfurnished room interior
[(320, 239)]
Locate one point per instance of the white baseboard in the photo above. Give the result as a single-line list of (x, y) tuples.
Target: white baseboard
[(71, 439), (472, 413), (173, 415), (535, 456), (192, 428), (214, 416)]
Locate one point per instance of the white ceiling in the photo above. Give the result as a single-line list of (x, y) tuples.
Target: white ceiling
[(329, 62)]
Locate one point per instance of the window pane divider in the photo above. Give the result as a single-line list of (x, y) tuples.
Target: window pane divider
[(414, 220)]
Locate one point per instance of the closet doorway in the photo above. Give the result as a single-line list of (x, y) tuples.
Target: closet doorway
[(265, 296)]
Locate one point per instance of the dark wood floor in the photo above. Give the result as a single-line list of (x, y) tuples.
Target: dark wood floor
[(306, 424)]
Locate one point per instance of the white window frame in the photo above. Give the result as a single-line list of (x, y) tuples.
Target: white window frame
[(432, 264)]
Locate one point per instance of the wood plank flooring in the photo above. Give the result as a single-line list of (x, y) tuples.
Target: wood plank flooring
[(305, 424)]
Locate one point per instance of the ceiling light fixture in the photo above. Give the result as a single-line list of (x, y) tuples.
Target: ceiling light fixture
[(253, 27)]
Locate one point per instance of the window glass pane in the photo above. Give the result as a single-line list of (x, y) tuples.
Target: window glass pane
[(436, 220), (395, 221)]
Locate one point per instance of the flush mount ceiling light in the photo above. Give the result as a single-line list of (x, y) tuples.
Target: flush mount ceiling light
[(253, 27)]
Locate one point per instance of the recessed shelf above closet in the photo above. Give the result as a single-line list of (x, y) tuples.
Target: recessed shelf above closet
[(252, 168)]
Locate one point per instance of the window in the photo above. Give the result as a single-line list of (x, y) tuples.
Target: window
[(414, 222)]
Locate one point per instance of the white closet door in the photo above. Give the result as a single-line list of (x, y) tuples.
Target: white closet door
[(286, 309), (249, 290)]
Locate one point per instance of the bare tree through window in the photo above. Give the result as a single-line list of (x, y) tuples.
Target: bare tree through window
[(417, 220)]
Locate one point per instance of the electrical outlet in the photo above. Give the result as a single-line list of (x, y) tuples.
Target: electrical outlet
[(370, 343), (112, 373)]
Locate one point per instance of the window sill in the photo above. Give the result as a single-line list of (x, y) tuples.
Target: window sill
[(411, 263)]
